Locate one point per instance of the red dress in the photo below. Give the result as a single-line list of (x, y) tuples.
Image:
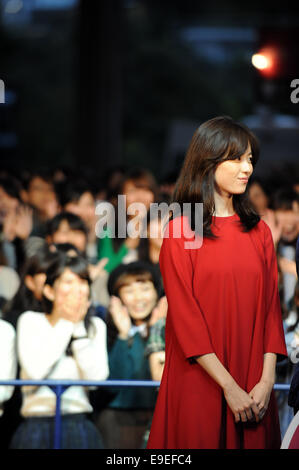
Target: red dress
[(222, 298)]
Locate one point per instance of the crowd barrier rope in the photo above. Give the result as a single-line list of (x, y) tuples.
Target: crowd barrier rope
[(59, 386)]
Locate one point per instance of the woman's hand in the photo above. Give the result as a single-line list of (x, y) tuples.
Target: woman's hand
[(18, 223), (287, 266), (159, 311), (156, 363), (51, 208), (24, 222), (9, 225), (120, 317), (261, 393), (242, 404), (74, 305), (132, 243), (97, 270)]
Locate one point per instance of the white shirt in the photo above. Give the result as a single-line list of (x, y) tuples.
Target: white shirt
[(42, 355), (8, 361)]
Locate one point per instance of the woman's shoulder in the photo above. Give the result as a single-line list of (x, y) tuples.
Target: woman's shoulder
[(263, 230), (178, 228), (6, 330), (98, 323), (31, 316)]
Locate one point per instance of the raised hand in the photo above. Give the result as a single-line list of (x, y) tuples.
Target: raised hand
[(287, 266), (120, 316), (97, 270), (160, 311), (51, 208), (24, 222), (74, 304), (9, 225)]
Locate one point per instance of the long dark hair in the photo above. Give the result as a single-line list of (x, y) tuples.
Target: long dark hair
[(215, 141), (144, 244), (78, 265), (24, 298)]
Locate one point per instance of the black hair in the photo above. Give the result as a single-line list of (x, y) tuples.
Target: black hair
[(261, 182), (71, 191), (12, 186), (24, 298), (284, 198), (65, 248), (78, 264), (214, 142), (138, 270), (143, 247), (44, 175), (74, 221)]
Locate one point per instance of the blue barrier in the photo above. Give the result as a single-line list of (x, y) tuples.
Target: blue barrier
[(59, 386)]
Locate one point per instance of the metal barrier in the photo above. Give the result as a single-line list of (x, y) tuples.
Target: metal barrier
[(59, 386)]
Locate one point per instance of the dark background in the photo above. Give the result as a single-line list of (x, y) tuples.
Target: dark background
[(95, 84)]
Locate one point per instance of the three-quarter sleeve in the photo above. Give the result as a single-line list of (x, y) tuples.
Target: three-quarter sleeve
[(39, 344), (8, 362), (184, 312), (274, 340), (90, 352)]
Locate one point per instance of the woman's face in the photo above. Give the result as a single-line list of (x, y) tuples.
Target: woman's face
[(40, 193), (65, 234), (289, 222), (231, 176), (258, 198), (84, 207), (140, 298), (67, 284), (136, 194)]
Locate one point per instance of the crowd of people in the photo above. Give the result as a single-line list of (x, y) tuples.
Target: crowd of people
[(79, 304)]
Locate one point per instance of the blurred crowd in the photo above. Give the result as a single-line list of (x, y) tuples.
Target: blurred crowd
[(76, 305)]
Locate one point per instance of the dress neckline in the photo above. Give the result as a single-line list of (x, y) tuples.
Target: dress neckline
[(225, 217)]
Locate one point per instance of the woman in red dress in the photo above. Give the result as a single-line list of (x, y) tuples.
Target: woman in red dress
[(224, 329)]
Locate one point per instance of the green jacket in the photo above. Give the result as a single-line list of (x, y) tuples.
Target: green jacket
[(128, 362)]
